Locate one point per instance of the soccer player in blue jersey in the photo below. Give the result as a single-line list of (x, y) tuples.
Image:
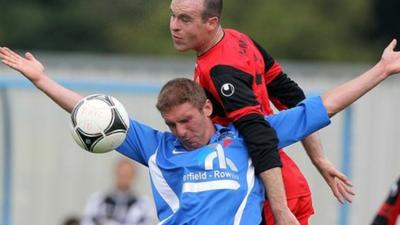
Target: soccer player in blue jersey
[(200, 172)]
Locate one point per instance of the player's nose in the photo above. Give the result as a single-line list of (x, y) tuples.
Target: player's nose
[(180, 131), (173, 24)]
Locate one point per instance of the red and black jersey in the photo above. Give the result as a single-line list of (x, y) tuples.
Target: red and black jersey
[(232, 73), (240, 78), (390, 209), (239, 65)]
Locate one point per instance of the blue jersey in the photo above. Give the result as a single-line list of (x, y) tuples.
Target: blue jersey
[(214, 184)]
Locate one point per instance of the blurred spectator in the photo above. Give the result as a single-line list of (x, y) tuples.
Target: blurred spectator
[(118, 206), (72, 220), (390, 208)]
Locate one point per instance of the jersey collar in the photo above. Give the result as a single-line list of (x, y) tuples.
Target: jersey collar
[(220, 133)]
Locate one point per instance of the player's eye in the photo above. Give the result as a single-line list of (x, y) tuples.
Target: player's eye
[(186, 19), (170, 125), (183, 121)]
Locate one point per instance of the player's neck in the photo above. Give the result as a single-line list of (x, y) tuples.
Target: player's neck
[(218, 35)]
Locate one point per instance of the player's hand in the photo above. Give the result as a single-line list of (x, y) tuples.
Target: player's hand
[(338, 182), (286, 218), (28, 65), (391, 59)]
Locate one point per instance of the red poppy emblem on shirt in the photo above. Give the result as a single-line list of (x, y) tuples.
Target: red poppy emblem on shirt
[(227, 141)]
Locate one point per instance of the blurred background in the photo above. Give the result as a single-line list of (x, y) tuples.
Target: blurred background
[(123, 48), (341, 30)]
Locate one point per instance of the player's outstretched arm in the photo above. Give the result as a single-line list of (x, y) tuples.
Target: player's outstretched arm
[(342, 96), (339, 184), (33, 70)]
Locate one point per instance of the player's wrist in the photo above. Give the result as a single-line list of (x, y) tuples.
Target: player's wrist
[(279, 207), (280, 213), (319, 161), (383, 68), (39, 78)]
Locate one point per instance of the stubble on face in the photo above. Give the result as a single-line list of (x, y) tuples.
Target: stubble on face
[(189, 124), (186, 25)]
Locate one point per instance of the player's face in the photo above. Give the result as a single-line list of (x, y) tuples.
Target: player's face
[(188, 30), (192, 126)]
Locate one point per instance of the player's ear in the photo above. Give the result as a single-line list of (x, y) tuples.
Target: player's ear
[(208, 108), (213, 23)]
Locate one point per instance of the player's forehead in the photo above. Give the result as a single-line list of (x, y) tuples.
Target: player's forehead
[(187, 7), (180, 112)]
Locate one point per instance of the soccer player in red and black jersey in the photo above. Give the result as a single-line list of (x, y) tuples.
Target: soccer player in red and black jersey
[(390, 209), (241, 78)]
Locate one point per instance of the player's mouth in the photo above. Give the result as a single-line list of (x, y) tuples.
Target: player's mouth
[(176, 38), (190, 142)]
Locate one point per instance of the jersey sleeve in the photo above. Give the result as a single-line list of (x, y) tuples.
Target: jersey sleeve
[(293, 125), (283, 92), (272, 68), (261, 141), (141, 142), (235, 93)]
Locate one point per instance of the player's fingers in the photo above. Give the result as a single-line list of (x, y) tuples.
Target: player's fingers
[(349, 190), (3, 52), (344, 179), (2, 55), (392, 45), (348, 196), (342, 192), (8, 55), (346, 192), (29, 56), (12, 59), (10, 64), (335, 190), (2, 49), (349, 183), (7, 51), (12, 53)]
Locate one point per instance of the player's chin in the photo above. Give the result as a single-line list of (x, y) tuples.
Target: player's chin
[(191, 145), (181, 47)]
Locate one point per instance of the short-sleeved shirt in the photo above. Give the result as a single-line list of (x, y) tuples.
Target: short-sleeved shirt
[(214, 184)]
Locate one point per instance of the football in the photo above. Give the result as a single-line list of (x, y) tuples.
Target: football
[(99, 123)]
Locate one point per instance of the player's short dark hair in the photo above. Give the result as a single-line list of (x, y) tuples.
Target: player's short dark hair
[(212, 8), (179, 91)]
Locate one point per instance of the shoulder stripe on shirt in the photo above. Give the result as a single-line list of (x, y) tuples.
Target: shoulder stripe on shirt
[(250, 185), (161, 185)]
